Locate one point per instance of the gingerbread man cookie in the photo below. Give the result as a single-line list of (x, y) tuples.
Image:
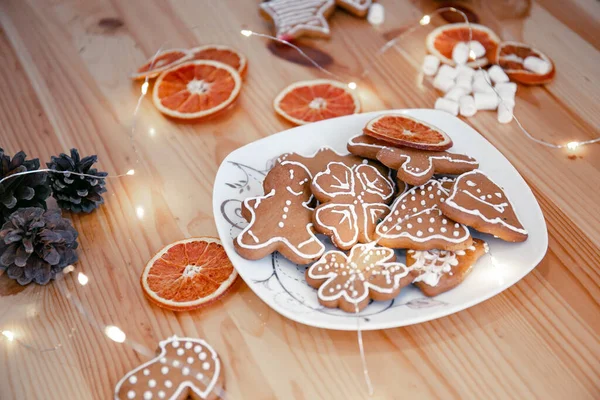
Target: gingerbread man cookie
[(416, 167), (437, 271), (349, 282), (416, 222), (352, 202), (184, 368), (478, 202), (295, 18), (281, 220)]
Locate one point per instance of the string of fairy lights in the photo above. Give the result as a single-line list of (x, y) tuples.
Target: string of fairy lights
[(115, 333)]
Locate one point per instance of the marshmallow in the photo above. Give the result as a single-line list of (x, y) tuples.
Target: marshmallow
[(537, 65), (464, 82), (505, 114), (443, 83), (464, 70), (482, 73), (486, 101), (497, 74), (460, 53), (430, 63), (376, 14), (447, 71), (507, 87), (477, 48), (481, 85), (507, 98), (455, 93), (467, 106), (446, 105)]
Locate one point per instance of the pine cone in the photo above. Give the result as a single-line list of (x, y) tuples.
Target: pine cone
[(73, 192), (23, 191), (35, 245)]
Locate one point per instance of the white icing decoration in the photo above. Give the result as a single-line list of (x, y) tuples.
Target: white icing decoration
[(471, 183), (197, 349), (190, 360), (131, 394), (133, 379), (290, 17), (428, 264), (188, 345), (202, 356), (180, 352), (164, 370), (199, 392)]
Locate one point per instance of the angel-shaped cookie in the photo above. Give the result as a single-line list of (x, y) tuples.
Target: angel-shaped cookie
[(281, 220), (353, 199), (349, 282), (479, 202)]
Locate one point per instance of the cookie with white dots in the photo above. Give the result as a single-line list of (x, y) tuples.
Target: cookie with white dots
[(353, 200), (437, 271), (416, 221), (184, 368), (349, 282), (281, 220)]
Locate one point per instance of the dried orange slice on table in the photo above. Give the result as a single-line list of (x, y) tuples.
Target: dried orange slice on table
[(161, 62), (220, 53), (188, 274), (407, 131), (511, 56), (442, 40), (316, 100), (196, 89)]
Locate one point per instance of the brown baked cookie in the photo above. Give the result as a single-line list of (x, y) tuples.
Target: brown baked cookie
[(349, 282), (416, 222), (281, 220), (437, 271), (184, 368), (293, 18), (478, 202), (416, 167), (352, 202)]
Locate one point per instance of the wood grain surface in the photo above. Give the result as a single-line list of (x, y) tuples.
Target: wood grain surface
[(64, 83)]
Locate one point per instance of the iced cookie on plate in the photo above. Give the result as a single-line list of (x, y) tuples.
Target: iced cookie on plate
[(478, 202), (349, 282), (281, 220), (437, 271)]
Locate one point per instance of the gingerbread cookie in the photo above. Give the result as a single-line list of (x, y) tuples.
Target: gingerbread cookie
[(184, 368), (437, 271), (366, 146), (295, 18), (281, 220), (416, 167), (352, 202), (349, 282), (360, 8), (416, 222), (478, 202)]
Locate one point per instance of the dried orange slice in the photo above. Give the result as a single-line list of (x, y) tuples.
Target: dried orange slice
[(316, 100), (510, 57), (196, 89), (408, 131), (441, 41), (188, 274), (224, 54), (161, 62)]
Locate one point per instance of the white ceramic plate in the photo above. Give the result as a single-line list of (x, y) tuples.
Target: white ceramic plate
[(281, 284)]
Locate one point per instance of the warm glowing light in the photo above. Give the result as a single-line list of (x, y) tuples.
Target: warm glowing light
[(352, 85), (83, 279), (9, 335), (114, 333), (246, 32), (425, 20), (130, 172), (139, 212), (572, 145), (145, 88), (472, 55), (152, 131), (68, 268)]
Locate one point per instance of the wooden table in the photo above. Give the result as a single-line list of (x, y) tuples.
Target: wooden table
[(64, 84)]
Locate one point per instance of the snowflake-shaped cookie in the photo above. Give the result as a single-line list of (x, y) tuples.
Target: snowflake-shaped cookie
[(348, 282)]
